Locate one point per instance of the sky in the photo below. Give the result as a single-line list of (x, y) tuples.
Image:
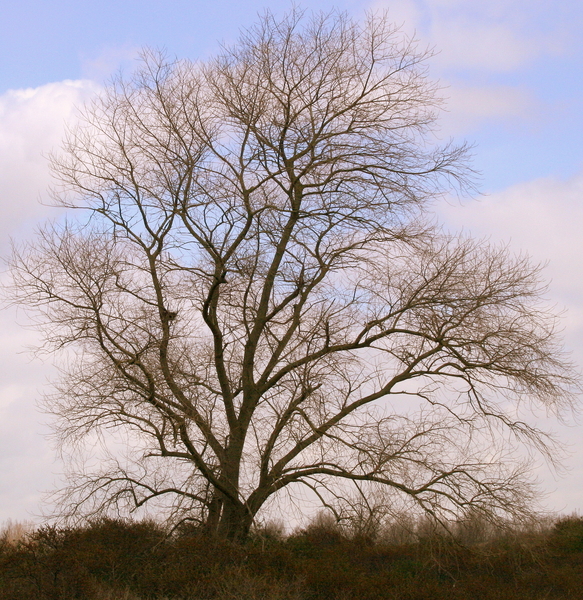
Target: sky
[(512, 73)]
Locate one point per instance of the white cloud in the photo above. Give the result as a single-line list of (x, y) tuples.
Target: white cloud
[(468, 107), (32, 124), (543, 218), (488, 35), (484, 35), (476, 43), (27, 462), (108, 60)]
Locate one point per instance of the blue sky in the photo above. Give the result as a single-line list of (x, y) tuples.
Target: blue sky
[(512, 71)]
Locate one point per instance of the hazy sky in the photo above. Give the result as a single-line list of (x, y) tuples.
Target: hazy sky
[(513, 73)]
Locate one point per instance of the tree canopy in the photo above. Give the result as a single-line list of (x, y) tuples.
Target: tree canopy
[(256, 301)]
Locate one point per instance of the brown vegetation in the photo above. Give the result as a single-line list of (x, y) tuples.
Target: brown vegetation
[(115, 560)]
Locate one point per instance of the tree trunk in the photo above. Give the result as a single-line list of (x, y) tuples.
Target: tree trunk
[(235, 522)]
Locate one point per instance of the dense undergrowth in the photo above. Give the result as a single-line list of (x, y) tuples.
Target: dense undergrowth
[(115, 560)]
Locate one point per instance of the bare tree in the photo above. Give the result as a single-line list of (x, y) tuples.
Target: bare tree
[(255, 302)]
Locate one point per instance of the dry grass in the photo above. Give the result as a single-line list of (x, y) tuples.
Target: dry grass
[(120, 560), (13, 532)]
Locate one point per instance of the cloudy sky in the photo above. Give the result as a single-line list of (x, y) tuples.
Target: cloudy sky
[(512, 71)]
